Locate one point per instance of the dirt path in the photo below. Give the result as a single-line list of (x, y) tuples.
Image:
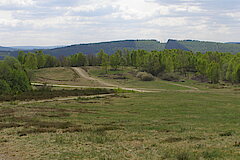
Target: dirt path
[(82, 73), (180, 85)]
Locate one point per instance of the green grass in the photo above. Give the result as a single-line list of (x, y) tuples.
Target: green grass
[(57, 74), (170, 125), (127, 77), (61, 75)]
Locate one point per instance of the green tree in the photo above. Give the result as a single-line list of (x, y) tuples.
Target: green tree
[(31, 61), (213, 72), (41, 60), (21, 57), (105, 62), (115, 60), (13, 77)]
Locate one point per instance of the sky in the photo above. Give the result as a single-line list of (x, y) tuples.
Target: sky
[(63, 22)]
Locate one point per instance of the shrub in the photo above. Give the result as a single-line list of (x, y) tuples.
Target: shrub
[(44, 87), (169, 77), (144, 76), (199, 77), (4, 87)]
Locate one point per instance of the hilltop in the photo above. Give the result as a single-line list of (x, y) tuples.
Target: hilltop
[(204, 46), (148, 45), (108, 47)]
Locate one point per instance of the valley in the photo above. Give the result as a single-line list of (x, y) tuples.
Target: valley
[(174, 120)]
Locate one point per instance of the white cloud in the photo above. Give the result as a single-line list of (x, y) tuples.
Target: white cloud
[(168, 21), (56, 22), (21, 3), (235, 15)]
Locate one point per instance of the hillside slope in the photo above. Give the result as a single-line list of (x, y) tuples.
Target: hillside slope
[(201, 46), (7, 49), (174, 44), (108, 47), (148, 45)]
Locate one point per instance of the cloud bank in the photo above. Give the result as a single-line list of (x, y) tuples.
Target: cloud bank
[(61, 22)]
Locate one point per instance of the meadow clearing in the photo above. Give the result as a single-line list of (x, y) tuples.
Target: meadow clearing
[(177, 120)]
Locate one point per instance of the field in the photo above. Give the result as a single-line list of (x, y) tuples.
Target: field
[(183, 120), (60, 75)]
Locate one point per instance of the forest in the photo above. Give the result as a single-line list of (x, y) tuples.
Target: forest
[(212, 67)]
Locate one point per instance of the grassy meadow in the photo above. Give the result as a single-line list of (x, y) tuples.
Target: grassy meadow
[(176, 123), (61, 75)]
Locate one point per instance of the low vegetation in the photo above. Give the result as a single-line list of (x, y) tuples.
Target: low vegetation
[(144, 76), (170, 77), (49, 94), (134, 126)]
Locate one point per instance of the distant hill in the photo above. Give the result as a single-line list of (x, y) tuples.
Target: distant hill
[(4, 54), (113, 46), (108, 47), (174, 44), (7, 49), (202, 46), (233, 42), (34, 47)]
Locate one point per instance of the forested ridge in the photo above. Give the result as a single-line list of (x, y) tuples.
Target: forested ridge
[(148, 45), (211, 66), (202, 46)]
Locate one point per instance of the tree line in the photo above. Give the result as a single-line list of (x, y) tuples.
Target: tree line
[(213, 66), (13, 78)]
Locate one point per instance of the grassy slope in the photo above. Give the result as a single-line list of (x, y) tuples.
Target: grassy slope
[(141, 126), (61, 75), (116, 77), (161, 125), (150, 45), (197, 46)]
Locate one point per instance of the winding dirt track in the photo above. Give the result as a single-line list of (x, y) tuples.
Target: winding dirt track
[(64, 99), (82, 73)]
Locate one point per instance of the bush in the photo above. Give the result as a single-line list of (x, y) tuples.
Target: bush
[(144, 76), (199, 77), (49, 94), (4, 87), (169, 77)]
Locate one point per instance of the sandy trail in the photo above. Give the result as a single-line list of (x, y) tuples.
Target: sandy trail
[(64, 99), (82, 73)]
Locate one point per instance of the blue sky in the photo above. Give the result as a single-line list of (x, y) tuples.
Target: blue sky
[(61, 22)]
